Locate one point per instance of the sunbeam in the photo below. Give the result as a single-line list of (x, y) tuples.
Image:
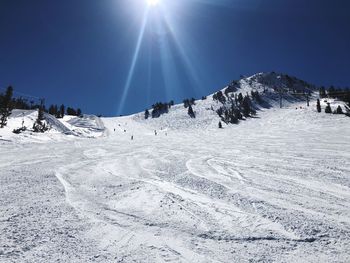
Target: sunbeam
[(169, 70), (183, 49), (153, 2), (133, 63), (172, 44)]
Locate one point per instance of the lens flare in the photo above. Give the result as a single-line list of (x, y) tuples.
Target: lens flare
[(133, 63), (153, 2)]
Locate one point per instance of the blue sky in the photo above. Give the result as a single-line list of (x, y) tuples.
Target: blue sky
[(80, 52)]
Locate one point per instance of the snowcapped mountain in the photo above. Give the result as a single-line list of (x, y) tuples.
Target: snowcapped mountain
[(272, 88), (274, 188)]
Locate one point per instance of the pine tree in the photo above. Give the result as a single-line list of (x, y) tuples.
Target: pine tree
[(220, 125), (79, 114), (41, 114), (71, 111), (186, 103), (53, 110), (56, 111), (39, 125), (339, 110), (159, 108), (238, 114), (240, 98), (246, 106), (328, 108), (318, 105), (6, 106), (191, 112), (146, 114), (62, 110)]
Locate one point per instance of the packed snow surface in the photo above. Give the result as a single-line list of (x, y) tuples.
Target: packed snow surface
[(273, 188)]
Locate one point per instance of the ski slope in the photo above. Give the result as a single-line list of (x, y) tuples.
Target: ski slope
[(63, 129), (274, 189)]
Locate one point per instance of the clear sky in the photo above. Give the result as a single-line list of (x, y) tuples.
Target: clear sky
[(120, 56)]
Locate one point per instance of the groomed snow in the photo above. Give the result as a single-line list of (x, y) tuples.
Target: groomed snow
[(273, 188)]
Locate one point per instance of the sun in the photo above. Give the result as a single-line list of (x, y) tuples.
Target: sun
[(153, 2)]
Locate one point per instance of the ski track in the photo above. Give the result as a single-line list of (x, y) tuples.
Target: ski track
[(256, 193)]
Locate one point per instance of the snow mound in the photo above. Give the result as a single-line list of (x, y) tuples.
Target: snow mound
[(88, 126)]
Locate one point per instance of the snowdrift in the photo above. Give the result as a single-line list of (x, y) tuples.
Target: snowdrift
[(87, 126)]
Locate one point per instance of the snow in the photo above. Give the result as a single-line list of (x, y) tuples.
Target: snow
[(273, 188), (87, 126)]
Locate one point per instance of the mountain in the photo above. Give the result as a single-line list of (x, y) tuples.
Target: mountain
[(272, 89), (274, 188), (270, 86)]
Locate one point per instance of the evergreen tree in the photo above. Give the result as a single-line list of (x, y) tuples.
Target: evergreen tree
[(79, 114), (219, 96), (238, 114), (159, 108), (246, 106), (186, 103), (339, 110), (328, 108), (240, 98), (41, 114), (20, 103), (220, 125), (220, 111), (191, 112), (256, 96), (57, 113), (39, 125), (53, 110), (227, 91), (318, 105), (146, 114), (62, 110), (6, 106), (71, 111)]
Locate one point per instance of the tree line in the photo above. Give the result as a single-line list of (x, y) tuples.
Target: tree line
[(8, 102), (158, 109)]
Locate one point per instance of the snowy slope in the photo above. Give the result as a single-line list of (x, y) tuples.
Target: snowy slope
[(272, 189), (68, 128), (267, 84)]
